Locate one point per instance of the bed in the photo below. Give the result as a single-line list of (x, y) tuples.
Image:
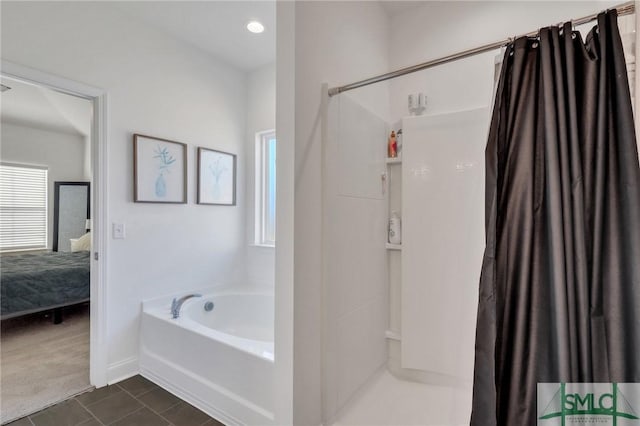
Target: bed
[(37, 282)]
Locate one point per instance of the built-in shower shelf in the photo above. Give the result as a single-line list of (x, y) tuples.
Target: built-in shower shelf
[(390, 246), (394, 160)]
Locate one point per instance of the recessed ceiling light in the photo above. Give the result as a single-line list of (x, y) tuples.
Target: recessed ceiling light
[(255, 27)]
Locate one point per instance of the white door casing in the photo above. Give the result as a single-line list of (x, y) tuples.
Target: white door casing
[(99, 208)]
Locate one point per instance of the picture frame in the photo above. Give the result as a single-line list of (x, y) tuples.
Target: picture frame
[(216, 177), (159, 170)]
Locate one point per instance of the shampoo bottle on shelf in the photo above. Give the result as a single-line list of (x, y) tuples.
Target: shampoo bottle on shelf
[(392, 147), (395, 231)]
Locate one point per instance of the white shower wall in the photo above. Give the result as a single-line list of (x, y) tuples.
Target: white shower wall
[(356, 285), (442, 247)]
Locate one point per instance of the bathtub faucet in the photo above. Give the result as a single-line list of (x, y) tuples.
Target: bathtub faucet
[(177, 304)]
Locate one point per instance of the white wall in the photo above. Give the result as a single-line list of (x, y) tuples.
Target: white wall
[(261, 116), (62, 153), (437, 29), (336, 42), (285, 184), (160, 87)]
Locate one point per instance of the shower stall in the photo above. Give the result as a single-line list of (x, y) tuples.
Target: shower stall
[(399, 320), (408, 309)]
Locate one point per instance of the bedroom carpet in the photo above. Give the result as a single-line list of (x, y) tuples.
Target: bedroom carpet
[(42, 363)]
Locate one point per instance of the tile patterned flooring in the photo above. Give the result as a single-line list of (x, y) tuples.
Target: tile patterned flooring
[(132, 402)]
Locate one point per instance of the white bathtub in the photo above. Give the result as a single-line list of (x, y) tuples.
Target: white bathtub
[(219, 361)]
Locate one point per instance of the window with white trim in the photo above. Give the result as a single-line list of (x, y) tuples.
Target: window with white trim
[(265, 185), (23, 207)]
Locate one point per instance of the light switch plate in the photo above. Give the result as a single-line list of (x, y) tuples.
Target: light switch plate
[(119, 231)]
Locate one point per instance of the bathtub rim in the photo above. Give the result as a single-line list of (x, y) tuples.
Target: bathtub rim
[(217, 289)]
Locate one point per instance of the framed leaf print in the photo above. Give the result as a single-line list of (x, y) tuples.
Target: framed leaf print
[(159, 170), (216, 177)]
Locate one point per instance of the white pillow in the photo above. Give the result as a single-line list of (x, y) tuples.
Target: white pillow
[(81, 244)]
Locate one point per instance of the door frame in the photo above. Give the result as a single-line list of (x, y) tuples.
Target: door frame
[(98, 348)]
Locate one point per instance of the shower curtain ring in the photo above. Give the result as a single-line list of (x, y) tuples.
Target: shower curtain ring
[(510, 45)]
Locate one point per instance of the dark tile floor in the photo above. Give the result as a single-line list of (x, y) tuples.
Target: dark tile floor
[(132, 402)]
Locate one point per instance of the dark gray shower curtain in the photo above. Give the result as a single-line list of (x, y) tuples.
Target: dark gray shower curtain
[(560, 285)]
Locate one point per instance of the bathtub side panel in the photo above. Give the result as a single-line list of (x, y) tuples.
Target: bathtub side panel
[(234, 386)]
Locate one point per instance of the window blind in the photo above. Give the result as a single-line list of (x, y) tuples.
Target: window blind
[(23, 207)]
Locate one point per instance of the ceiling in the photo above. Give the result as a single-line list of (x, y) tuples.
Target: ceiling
[(217, 27), (35, 106), (394, 8)]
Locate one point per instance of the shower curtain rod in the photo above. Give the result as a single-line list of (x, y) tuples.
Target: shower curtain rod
[(623, 9)]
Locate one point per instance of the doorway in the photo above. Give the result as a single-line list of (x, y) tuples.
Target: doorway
[(75, 211)]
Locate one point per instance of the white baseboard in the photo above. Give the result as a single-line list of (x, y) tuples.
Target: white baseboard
[(121, 370)]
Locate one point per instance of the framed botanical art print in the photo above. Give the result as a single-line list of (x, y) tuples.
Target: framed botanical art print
[(159, 170), (216, 177)]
